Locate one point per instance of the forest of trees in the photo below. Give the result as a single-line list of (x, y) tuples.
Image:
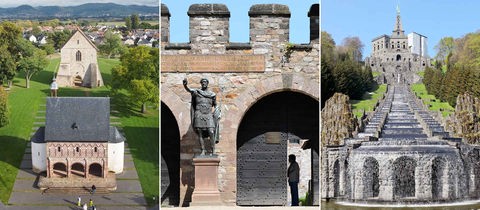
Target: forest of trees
[(342, 70), (457, 68)]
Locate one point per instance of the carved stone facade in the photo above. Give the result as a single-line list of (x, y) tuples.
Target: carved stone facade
[(397, 57), (77, 159), (77, 146), (78, 63), (248, 78)]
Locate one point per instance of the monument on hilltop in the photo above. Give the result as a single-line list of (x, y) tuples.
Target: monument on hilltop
[(398, 57), (78, 63)]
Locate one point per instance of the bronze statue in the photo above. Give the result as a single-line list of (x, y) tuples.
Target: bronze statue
[(204, 120)]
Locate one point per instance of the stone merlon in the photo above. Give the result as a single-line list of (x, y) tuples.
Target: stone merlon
[(164, 11), (314, 10), (269, 9), (208, 10)]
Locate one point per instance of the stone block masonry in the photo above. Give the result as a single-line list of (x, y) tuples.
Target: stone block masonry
[(240, 73)]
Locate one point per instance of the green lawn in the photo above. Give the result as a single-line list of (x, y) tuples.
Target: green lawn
[(421, 73), (368, 101), (141, 130), (434, 103)]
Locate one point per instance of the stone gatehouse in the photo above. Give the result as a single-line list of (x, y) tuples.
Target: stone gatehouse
[(268, 90)]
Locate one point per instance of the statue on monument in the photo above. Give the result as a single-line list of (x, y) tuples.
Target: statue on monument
[(204, 121)]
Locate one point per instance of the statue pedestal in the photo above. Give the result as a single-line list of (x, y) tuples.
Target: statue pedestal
[(206, 178)]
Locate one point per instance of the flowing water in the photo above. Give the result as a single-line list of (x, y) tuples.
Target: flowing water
[(467, 205)]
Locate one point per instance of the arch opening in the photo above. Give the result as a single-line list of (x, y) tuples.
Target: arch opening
[(59, 170), (404, 177), (438, 176), (170, 158), (370, 178), (266, 130), (95, 169), (78, 170)]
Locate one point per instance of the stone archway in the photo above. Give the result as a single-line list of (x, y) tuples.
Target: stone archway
[(404, 177), (438, 175), (371, 184), (262, 145), (95, 169), (59, 170), (170, 158), (336, 178), (77, 169)]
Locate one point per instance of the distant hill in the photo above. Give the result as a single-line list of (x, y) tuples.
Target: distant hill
[(80, 11)]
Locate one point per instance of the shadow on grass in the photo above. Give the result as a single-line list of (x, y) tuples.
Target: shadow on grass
[(11, 153), (143, 143), (44, 77), (366, 95)]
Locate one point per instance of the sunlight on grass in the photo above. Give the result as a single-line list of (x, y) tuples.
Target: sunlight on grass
[(430, 100), (141, 130), (368, 101)]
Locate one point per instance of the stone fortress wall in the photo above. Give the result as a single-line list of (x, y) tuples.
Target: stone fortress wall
[(240, 73)]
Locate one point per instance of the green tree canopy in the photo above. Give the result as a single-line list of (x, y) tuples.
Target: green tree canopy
[(113, 45), (33, 64), (138, 73)]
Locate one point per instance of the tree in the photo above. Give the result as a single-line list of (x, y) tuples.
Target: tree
[(7, 64), (353, 47), (12, 46), (49, 49), (135, 21), (59, 38), (33, 64), (128, 23), (113, 45), (443, 48), (4, 111), (138, 73)]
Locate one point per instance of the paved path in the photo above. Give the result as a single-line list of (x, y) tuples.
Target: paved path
[(243, 208), (26, 196)]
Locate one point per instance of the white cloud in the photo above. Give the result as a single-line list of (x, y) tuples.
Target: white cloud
[(15, 3)]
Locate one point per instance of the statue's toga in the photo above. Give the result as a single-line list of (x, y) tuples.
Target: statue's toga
[(204, 120)]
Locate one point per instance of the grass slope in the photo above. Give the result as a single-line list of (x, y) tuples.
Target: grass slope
[(430, 100), (141, 130), (368, 101)]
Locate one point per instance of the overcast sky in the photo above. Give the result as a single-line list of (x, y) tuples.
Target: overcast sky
[(15, 3)]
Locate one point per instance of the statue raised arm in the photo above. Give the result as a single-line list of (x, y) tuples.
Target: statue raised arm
[(205, 114)]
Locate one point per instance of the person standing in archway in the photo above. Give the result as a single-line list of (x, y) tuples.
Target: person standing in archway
[(293, 174)]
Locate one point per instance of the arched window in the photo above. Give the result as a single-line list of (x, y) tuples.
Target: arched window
[(78, 56)]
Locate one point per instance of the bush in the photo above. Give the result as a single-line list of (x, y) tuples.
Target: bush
[(3, 107)]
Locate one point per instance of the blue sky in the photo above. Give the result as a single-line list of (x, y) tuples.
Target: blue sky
[(368, 19), (239, 20)]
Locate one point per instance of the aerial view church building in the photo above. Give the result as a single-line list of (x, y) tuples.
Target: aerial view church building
[(78, 63), (398, 55), (77, 144)]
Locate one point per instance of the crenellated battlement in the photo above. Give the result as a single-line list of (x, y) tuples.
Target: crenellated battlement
[(209, 24), (209, 34)]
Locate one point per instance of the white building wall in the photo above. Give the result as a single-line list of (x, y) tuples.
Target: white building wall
[(39, 157), (414, 43), (115, 157), (423, 43)]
